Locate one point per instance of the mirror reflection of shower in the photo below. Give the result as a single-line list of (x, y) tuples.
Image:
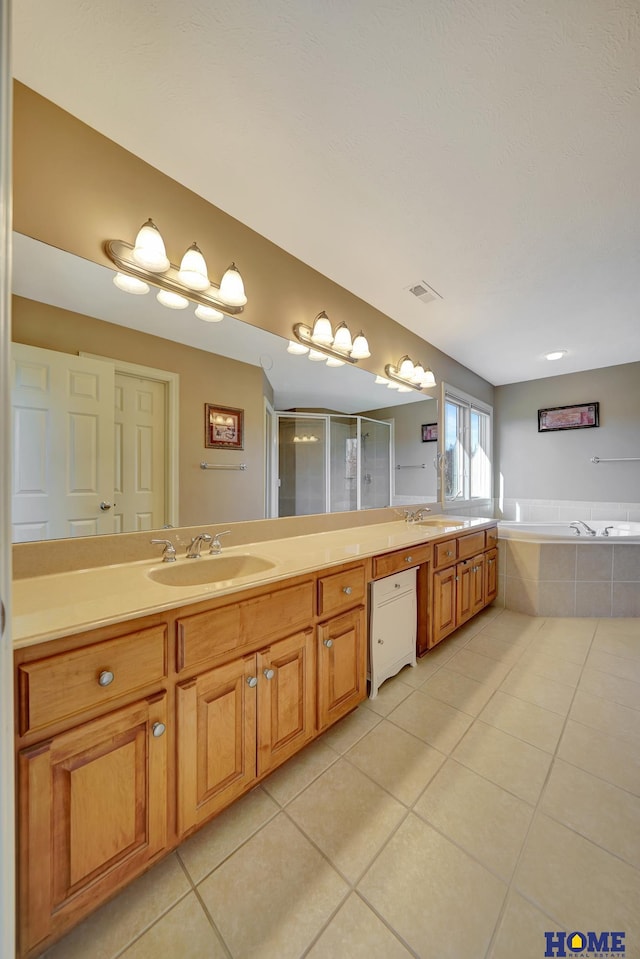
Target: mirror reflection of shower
[(346, 466)]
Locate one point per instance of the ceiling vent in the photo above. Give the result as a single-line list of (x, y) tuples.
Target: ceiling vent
[(424, 292)]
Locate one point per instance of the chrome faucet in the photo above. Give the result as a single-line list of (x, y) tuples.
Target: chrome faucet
[(216, 546), (169, 551), (196, 545), (581, 522), (415, 516)]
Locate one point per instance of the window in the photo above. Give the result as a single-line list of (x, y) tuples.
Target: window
[(465, 454)]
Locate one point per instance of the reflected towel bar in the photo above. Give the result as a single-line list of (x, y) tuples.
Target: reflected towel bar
[(616, 459), (414, 466), (222, 466)]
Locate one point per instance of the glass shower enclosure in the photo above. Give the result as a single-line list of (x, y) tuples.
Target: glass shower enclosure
[(329, 463)]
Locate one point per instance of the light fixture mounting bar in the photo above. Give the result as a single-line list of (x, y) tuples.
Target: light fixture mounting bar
[(391, 373), (120, 253), (302, 332)]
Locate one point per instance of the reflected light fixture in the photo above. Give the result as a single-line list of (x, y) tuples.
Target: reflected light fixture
[(322, 344), (145, 263), (407, 375)]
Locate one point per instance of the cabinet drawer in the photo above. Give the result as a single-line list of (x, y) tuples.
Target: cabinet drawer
[(470, 544), (491, 537), (54, 688), (401, 559), (444, 554), (395, 585), (340, 590), (243, 624)]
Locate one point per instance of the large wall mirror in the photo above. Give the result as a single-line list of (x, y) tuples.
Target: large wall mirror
[(152, 372)]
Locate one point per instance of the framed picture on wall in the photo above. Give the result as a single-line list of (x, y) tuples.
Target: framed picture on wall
[(578, 417), (429, 432), (223, 427)]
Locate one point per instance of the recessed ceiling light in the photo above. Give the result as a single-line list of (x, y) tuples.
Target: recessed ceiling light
[(555, 355)]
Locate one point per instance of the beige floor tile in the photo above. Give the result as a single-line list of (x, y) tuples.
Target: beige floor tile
[(105, 933), (544, 663), (207, 848), (349, 730), (392, 692), (426, 667), (347, 816), (355, 932), (458, 690), (506, 761), (433, 721), (578, 884), (440, 901), (619, 721), (296, 774), (184, 931), (488, 822), (540, 690), (492, 646), (273, 896), (521, 932), (535, 725), (620, 642), (481, 668), (396, 760), (603, 813), (562, 648), (603, 755), (624, 692), (614, 665)]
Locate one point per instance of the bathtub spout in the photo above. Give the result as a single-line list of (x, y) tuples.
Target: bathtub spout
[(590, 532)]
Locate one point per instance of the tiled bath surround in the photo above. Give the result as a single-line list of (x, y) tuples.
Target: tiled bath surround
[(550, 511)]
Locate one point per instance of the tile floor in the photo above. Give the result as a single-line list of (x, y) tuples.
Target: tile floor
[(486, 796)]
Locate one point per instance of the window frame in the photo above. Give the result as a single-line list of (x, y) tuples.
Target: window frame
[(469, 404)]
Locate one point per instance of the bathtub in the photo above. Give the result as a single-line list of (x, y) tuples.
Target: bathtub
[(546, 569), (617, 530)]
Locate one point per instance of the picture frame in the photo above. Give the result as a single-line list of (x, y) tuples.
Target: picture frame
[(579, 416), (429, 432), (223, 427)]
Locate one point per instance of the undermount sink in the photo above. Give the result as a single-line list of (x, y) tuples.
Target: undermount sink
[(440, 522), (211, 570)]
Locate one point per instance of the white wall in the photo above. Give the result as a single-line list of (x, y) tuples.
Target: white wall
[(410, 451), (556, 465)]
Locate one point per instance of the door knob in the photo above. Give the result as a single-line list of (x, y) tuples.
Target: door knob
[(269, 673), (158, 729), (252, 681), (328, 643), (105, 506)]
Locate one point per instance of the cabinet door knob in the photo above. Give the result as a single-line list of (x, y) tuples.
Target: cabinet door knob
[(269, 673), (408, 559), (449, 553), (347, 590), (252, 681), (328, 643), (158, 729), (106, 677)]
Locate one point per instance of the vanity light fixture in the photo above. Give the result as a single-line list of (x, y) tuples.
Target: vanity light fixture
[(407, 375), (145, 263), (321, 342)]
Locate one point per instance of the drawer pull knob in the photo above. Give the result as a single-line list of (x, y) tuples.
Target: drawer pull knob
[(252, 681), (347, 589), (269, 673), (106, 677), (328, 643), (158, 729), (397, 586), (449, 552), (408, 559)]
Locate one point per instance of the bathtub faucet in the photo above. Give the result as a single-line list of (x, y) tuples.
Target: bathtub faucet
[(581, 522)]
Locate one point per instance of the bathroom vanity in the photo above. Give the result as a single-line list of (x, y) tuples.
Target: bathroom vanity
[(134, 730)]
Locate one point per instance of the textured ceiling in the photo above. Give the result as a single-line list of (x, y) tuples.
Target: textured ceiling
[(488, 147)]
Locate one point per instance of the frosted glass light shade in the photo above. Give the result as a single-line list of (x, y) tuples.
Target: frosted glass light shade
[(381, 380), (418, 374), (173, 300), (406, 367), (360, 349), (208, 314), (298, 349), (428, 379), (317, 356), (322, 334), (405, 389), (129, 284), (342, 340), (193, 270), (334, 361), (149, 251), (232, 287)]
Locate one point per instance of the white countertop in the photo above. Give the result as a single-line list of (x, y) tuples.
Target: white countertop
[(60, 604)]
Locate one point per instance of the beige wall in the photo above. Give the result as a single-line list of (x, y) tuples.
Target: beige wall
[(74, 189), (205, 496), (556, 465)]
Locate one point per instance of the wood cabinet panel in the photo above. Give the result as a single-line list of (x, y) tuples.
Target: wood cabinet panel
[(277, 613), (341, 590), (395, 562), (342, 666), (445, 553), (58, 687), (92, 813), (470, 543), (491, 575), (444, 603), (491, 537)]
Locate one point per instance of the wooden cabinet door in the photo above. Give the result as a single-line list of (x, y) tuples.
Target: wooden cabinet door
[(93, 811), (286, 699), (464, 592), (477, 584), (444, 603), (216, 739), (490, 576), (342, 666)]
